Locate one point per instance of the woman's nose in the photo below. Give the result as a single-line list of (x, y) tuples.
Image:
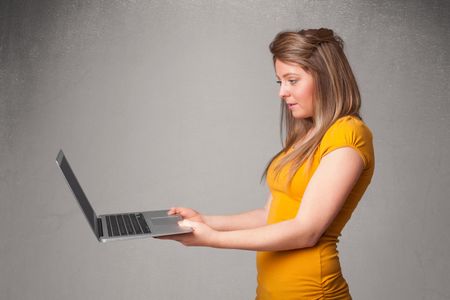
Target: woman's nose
[(284, 91)]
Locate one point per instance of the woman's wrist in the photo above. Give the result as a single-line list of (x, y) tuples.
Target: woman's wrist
[(205, 219), (218, 239)]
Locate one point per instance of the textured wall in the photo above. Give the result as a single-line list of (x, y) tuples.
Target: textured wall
[(174, 102)]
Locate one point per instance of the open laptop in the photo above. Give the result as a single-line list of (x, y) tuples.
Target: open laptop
[(121, 226)]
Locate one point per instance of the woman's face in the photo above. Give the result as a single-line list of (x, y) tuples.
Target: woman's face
[(296, 88)]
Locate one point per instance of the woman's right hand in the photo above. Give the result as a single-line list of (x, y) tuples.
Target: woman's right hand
[(187, 213)]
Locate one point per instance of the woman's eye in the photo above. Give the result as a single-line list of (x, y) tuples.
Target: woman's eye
[(290, 81)]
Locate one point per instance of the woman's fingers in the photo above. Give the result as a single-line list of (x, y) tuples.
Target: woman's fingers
[(177, 211), (187, 223), (201, 234), (183, 211), (180, 238), (187, 213)]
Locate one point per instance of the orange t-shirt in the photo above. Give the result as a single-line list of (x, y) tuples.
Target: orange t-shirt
[(313, 273)]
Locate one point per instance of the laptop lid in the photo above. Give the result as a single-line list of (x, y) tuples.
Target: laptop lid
[(86, 207)]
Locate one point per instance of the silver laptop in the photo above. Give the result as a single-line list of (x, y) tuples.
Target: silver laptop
[(121, 226)]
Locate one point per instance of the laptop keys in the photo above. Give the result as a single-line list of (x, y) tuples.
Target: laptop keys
[(127, 224), (143, 224), (115, 228), (123, 231), (108, 225), (136, 226)]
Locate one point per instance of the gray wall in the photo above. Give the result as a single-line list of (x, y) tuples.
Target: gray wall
[(160, 103)]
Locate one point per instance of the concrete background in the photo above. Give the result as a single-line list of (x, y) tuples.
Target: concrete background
[(160, 103)]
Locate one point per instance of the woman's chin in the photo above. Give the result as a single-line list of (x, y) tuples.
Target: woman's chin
[(300, 115)]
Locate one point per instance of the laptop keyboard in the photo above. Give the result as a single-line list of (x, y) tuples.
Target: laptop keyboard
[(127, 224)]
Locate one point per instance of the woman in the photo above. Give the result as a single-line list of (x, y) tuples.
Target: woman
[(315, 181)]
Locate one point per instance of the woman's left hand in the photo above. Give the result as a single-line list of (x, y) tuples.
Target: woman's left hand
[(202, 235)]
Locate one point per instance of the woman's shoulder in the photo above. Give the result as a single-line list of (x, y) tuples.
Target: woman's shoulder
[(349, 131), (352, 125)]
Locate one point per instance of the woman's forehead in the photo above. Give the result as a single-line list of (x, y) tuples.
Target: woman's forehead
[(288, 68)]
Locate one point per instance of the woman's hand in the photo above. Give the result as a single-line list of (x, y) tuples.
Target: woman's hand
[(202, 235), (187, 213)]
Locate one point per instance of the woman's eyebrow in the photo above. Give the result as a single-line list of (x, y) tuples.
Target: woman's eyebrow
[(288, 74)]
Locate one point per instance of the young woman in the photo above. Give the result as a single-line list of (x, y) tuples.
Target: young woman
[(315, 181)]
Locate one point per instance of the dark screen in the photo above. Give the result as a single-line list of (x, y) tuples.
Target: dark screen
[(78, 191)]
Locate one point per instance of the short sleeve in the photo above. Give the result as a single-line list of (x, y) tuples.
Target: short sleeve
[(351, 132)]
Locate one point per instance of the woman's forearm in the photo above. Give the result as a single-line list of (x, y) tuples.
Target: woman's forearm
[(247, 220), (281, 236)]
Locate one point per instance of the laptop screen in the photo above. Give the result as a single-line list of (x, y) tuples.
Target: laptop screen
[(77, 191)]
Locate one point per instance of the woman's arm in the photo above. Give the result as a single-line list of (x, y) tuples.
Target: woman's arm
[(246, 220), (324, 196)]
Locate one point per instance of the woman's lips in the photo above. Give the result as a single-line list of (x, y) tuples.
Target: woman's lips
[(292, 105)]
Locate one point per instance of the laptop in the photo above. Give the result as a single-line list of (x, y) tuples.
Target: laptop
[(121, 226)]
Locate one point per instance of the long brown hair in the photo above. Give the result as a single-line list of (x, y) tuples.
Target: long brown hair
[(320, 53)]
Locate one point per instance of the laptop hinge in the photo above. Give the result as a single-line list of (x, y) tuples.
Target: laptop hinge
[(99, 227)]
